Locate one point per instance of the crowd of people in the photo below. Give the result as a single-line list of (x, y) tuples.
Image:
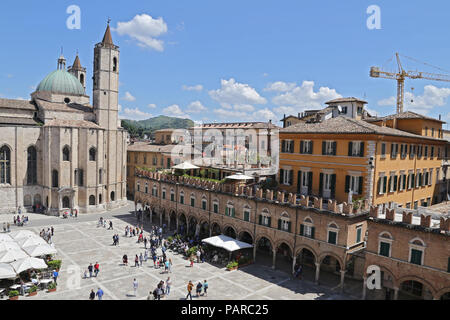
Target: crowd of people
[(47, 235)]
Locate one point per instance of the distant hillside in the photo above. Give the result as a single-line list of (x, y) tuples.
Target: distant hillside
[(141, 127)]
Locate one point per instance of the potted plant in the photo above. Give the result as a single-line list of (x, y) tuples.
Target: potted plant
[(51, 287), (232, 265), (54, 264), (13, 295), (33, 291)]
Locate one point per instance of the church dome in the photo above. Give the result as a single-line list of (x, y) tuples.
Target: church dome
[(61, 81)]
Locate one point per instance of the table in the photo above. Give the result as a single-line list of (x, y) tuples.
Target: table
[(15, 287), (45, 282)]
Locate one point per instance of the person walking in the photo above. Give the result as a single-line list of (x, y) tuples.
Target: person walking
[(205, 288), (192, 260), (190, 286), (55, 275), (141, 259), (135, 286), (53, 231), (199, 253), (96, 269), (170, 265), (145, 242), (136, 261), (166, 266), (92, 295), (110, 225), (100, 294), (90, 269), (168, 285), (125, 260), (199, 289)]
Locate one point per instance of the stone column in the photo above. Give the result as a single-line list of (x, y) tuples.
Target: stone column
[(135, 210), (294, 261), (160, 218), (210, 231), (254, 253), (177, 223), (274, 258), (342, 280), (364, 288), (396, 293), (151, 215), (317, 272)]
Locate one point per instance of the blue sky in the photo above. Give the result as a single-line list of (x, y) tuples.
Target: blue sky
[(234, 60)]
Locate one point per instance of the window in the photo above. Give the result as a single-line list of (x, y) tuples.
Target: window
[(426, 131), (80, 177), (393, 182), (5, 165), (284, 222), (115, 64), (412, 150), (92, 154), (356, 149), (411, 177), (264, 218), (383, 150), (403, 150), (419, 151), (66, 153), (229, 209), (246, 214), (286, 176), (216, 206), (307, 229), (432, 152), (384, 244), (192, 200), (91, 200), (55, 183), (358, 234), (329, 148), (382, 185), (416, 251), (204, 204), (138, 186), (343, 110), (332, 233), (155, 161), (432, 132), (172, 195), (425, 152), (182, 197), (394, 150), (287, 146), (353, 184), (31, 166), (100, 176), (306, 147), (402, 182)]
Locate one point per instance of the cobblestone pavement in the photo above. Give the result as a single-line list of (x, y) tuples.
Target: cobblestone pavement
[(80, 242)]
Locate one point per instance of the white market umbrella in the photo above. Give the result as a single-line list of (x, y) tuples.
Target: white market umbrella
[(30, 242), (185, 166), (234, 245), (12, 255), (16, 235), (7, 246), (28, 263), (40, 250), (6, 271), (239, 176), (5, 237)]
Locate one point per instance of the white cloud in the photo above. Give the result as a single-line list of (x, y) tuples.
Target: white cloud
[(151, 105), (231, 115), (304, 96), (237, 116), (174, 111), (244, 107), (197, 87), (134, 114), (264, 115), (196, 107), (432, 97), (235, 93), (280, 86), (145, 30), (128, 97), (120, 107), (283, 110)]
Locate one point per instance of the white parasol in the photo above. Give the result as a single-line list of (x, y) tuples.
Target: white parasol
[(6, 271), (239, 176), (12, 255), (16, 235), (5, 237), (40, 250), (6, 246), (185, 166), (28, 263), (30, 241)]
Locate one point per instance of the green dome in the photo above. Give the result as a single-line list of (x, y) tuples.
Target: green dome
[(60, 81)]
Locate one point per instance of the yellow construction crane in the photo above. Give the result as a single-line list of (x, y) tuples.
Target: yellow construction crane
[(401, 75)]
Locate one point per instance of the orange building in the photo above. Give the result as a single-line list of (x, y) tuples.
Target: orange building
[(375, 161)]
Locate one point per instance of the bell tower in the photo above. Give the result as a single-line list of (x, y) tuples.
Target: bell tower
[(106, 82), (78, 71)]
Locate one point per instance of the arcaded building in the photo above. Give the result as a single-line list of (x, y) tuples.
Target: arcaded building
[(59, 152)]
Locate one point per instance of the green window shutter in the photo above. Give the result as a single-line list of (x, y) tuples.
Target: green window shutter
[(384, 249), (216, 208), (246, 216), (289, 226), (301, 146), (385, 184), (279, 224), (269, 222), (299, 181), (283, 145), (192, 202), (350, 148), (389, 184), (334, 148), (347, 184), (333, 186), (302, 229), (361, 151), (321, 185), (226, 211), (260, 220), (311, 147), (281, 176), (358, 235), (360, 185), (233, 214), (395, 182), (416, 256), (313, 229), (291, 177), (324, 146), (310, 182), (332, 237)]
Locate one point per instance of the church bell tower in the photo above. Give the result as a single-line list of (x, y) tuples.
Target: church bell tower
[(106, 82)]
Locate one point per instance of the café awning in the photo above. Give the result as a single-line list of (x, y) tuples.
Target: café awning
[(185, 166), (7, 271), (227, 243)]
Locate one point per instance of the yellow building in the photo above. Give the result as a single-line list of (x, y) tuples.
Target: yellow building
[(374, 161)]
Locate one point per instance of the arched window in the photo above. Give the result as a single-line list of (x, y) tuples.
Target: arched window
[(333, 231), (264, 218), (163, 195), (385, 240), (92, 154), (5, 165), (284, 223), (172, 195), (66, 153), (155, 191), (100, 198), (229, 209), (247, 211), (216, 206), (112, 195), (31, 166), (182, 197), (138, 186), (115, 64), (66, 202), (91, 200), (416, 251), (192, 200), (55, 182), (307, 229), (82, 79), (204, 203), (146, 188), (100, 176)]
